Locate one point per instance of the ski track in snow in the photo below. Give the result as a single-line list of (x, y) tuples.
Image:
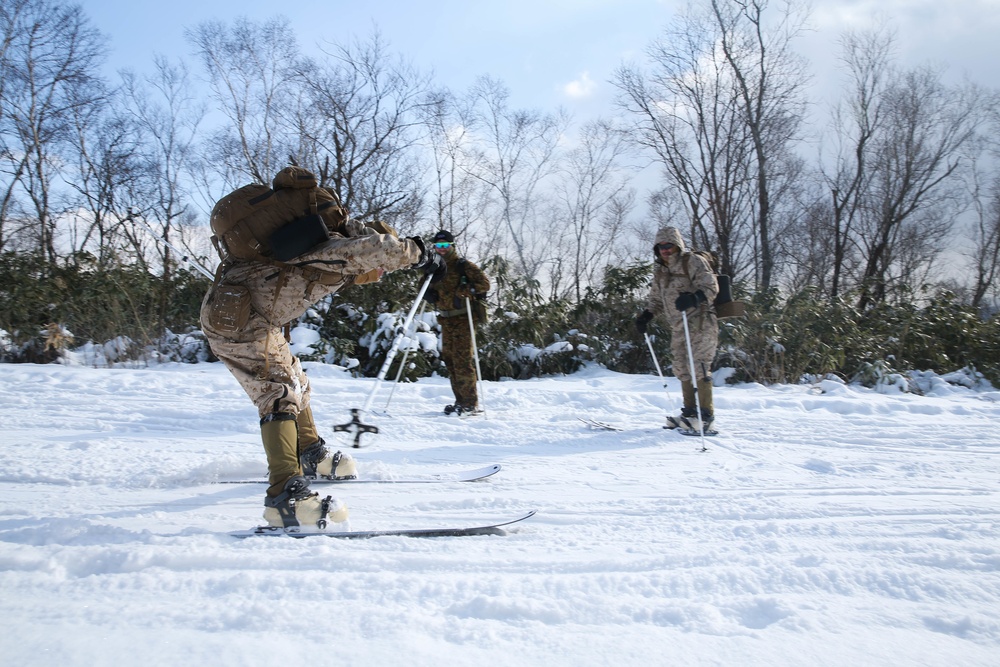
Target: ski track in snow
[(845, 528)]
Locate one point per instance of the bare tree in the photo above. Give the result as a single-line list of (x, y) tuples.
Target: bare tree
[(595, 200), (514, 152), (858, 119), (10, 167), (768, 77), (984, 252), (167, 115), (810, 257), (712, 117), (460, 200), (252, 70), (106, 169), (987, 253), (363, 120), (912, 197), (50, 61)]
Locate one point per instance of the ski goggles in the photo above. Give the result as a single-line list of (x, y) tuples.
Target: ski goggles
[(442, 244), (663, 246)]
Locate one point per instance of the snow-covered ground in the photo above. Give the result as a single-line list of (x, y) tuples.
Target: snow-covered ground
[(845, 527)]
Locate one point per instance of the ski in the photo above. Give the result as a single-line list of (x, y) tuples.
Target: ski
[(434, 478), (594, 424), (710, 433), (486, 529)]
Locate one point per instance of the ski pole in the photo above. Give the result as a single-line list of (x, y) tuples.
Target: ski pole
[(402, 365), (395, 343), (697, 398), (656, 362), (475, 354)]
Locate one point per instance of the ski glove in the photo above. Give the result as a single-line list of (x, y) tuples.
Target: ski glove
[(688, 300), (642, 322), (431, 262), (436, 268)]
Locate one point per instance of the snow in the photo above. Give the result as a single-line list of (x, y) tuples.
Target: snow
[(827, 525)]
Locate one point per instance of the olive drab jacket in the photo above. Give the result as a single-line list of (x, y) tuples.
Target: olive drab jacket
[(463, 279)]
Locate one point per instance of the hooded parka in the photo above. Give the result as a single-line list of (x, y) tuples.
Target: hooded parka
[(685, 271)]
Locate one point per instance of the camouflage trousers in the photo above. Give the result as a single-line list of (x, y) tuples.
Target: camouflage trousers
[(457, 354), (265, 367), (704, 330)]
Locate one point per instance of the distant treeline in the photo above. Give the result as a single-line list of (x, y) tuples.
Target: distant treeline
[(883, 248)]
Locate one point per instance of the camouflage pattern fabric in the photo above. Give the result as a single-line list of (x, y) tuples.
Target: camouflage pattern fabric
[(257, 354), (685, 271), (456, 338), (457, 354)]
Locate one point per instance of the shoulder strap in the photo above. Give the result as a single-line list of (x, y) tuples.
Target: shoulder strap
[(707, 256)]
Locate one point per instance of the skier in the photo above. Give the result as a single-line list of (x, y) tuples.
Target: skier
[(683, 282), (254, 296), (462, 281)]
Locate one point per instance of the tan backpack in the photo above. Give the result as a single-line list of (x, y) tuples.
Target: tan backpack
[(279, 223), (725, 307)]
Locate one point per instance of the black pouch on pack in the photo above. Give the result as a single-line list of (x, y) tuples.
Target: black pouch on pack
[(725, 307), (298, 237), (725, 294)]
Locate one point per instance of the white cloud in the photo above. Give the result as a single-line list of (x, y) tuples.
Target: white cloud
[(582, 86)]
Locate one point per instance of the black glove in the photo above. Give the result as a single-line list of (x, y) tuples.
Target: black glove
[(687, 300), (431, 295), (425, 253), (431, 262), (436, 268), (642, 322)]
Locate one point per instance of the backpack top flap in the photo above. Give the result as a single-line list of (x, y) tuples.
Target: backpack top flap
[(245, 221), (295, 177)]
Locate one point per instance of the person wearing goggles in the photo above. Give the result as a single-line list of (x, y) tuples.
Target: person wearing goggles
[(462, 290)]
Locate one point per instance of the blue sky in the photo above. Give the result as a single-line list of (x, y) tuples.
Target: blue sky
[(549, 53), (539, 49)]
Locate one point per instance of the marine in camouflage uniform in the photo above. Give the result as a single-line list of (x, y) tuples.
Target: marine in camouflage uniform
[(462, 281), (684, 281), (248, 339)]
